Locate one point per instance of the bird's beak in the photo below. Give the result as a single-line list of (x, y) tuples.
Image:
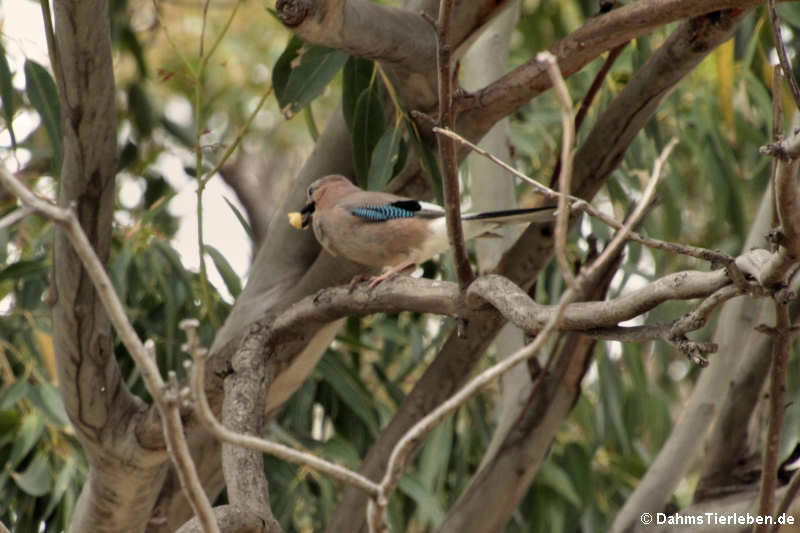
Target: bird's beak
[(306, 213)]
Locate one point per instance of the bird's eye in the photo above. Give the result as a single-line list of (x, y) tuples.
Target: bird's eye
[(310, 191)]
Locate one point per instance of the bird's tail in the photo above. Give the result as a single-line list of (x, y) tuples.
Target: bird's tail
[(511, 216)]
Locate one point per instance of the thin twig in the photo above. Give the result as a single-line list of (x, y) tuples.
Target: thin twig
[(182, 457), (239, 136), (589, 97), (775, 24), (781, 346), (66, 219), (565, 176), (198, 157), (210, 422), (580, 205), (447, 148), (15, 216), (203, 28), (696, 319), (402, 450), (623, 234)]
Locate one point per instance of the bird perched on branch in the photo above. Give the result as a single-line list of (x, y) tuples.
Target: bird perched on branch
[(379, 229)]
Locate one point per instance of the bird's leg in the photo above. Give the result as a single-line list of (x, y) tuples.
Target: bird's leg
[(374, 280), (358, 278)]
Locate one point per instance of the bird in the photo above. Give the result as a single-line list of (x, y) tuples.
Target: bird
[(383, 230)]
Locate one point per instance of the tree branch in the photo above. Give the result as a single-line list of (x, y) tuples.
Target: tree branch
[(781, 346), (594, 38), (447, 147), (212, 425), (495, 491), (786, 66), (165, 399), (610, 136), (580, 205), (565, 175), (243, 411), (787, 205)]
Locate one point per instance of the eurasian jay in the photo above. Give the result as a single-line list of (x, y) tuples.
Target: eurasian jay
[(379, 229)]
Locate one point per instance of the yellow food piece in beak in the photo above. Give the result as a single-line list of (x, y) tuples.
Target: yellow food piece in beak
[(296, 220)]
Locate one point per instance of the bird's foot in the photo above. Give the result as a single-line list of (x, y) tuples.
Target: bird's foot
[(375, 280), (358, 278)]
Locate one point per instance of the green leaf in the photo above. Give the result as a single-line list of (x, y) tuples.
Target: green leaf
[(35, 480), (9, 420), (23, 269), (430, 509), (45, 397), (552, 476), (341, 451), (242, 219), (12, 394), (7, 94), (229, 276), (429, 162), (349, 388), (127, 40), (141, 112), (789, 13), (118, 271), (61, 484), (356, 77), (435, 456), (283, 68), (402, 156), (183, 135), (43, 95), (368, 125), (303, 72), (28, 435), (127, 156), (611, 391), (384, 159)]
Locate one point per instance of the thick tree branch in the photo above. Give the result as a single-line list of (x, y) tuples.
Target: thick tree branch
[(401, 39), (364, 29), (166, 399), (243, 411), (231, 519), (121, 435), (594, 38)]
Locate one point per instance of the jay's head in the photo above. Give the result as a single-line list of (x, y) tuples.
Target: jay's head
[(325, 193)]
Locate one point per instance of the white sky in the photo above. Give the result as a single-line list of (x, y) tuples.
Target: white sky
[(23, 37)]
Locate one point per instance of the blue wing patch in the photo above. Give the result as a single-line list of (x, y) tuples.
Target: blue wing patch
[(382, 213)]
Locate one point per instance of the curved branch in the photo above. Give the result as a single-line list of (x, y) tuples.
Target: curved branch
[(594, 38), (518, 307), (231, 519), (219, 431), (365, 29), (787, 206)]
